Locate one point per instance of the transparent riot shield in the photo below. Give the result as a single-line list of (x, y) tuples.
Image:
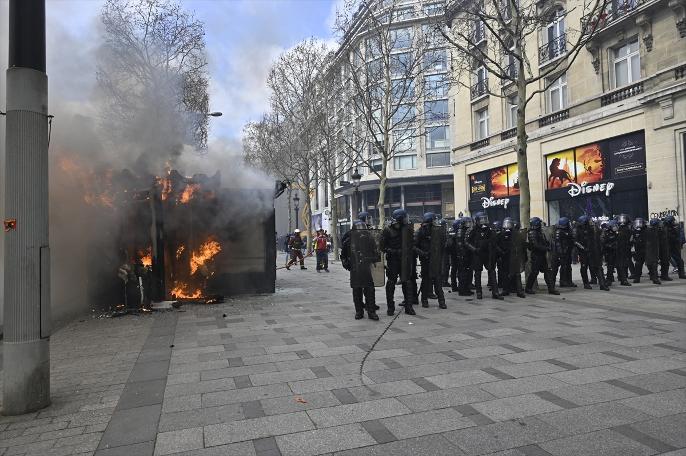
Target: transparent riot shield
[(367, 266), (437, 250)]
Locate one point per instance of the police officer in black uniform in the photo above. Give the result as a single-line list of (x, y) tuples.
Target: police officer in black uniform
[(357, 263), (564, 244), (539, 246), (397, 244), (646, 244), (513, 257), (452, 253), (623, 252), (464, 256), (480, 240), (675, 244), (429, 243)]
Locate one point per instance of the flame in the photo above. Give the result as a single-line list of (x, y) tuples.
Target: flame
[(183, 290), (166, 185), (188, 193), (208, 250), (146, 256), (179, 251), (97, 187)]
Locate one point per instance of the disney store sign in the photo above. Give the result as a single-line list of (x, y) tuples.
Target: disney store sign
[(575, 189), (493, 202)]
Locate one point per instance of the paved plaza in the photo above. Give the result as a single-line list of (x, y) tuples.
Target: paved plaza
[(584, 373)]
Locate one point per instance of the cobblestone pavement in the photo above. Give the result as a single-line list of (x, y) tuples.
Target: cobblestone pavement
[(585, 373)]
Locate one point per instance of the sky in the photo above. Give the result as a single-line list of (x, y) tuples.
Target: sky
[(243, 38)]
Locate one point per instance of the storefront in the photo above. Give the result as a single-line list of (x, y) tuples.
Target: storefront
[(496, 192), (601, 179)]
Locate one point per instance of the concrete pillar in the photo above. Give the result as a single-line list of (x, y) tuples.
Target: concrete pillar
[(27, 256)]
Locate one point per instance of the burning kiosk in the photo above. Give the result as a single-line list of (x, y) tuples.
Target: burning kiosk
[(188, 238)]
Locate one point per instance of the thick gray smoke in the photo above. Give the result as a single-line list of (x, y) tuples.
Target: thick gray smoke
[(86, 149)]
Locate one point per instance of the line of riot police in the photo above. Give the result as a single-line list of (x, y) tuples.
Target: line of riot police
[(505, 251)]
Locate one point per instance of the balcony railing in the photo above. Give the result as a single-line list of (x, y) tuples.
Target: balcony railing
[(479, 89), (554, 117), (680, 72), (552, 49), (479, 33), (616, 10), (512, 71), (621, 94), (507, 134), (479, 144)]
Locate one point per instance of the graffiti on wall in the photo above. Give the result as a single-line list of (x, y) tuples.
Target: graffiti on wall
[(666, 213)]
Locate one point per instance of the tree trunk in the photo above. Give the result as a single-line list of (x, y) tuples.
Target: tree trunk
[(382, 194), (333, 207), (307, 223), (522, 165), (290, 213)]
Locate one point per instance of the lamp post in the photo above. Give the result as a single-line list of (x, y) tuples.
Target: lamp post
[(214, 114), (296, 202), (356, 177)]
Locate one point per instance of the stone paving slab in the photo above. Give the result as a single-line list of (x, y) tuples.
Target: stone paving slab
[(585, 373)]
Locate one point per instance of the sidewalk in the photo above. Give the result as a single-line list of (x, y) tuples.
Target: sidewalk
[(584, 373)]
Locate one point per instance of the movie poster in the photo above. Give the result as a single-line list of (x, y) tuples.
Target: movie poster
[(479, 185), (513, 179), (590, 166), (627, 155), (561, 169), (499, 182)]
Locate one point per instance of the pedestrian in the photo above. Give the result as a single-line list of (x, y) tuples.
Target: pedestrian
[(295, 244), (322, 251)]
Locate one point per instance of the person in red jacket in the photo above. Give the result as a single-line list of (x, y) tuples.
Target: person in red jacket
[(322, 249)]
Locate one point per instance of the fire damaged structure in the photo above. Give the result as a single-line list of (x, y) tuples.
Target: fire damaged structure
[(184, 239)]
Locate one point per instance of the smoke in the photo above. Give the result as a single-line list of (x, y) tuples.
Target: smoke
[(89, 151)]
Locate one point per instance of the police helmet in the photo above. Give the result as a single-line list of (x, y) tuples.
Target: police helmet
[(468, 222), (639, 223), (359, 225), (583, 220), (613, 225), (399, 215), (563, 222), (670, 220), (480, 218), (297, 231), (508, 223), (428, 217), (364, 217), (456, 224), (535, 223), (622, 219), (654, 222), (497, 225)]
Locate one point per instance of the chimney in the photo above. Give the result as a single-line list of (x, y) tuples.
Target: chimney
[(25, 225)]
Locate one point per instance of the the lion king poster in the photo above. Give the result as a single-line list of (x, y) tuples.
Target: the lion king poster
[(561, 169), (590, 167), (499, 182)]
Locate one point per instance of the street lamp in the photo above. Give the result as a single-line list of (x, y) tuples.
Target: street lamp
[(356, 177), (296, 202), (214, 114)]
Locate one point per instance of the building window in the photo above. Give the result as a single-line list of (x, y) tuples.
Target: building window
[(403, 14), (401, 64), (404, 113), (436, 110), (403, 140), (437, 159), (511, 111), (478, 32), (627, 64), (435, 60), (480, 87), (436, 86), (401, 38), (402, 162), (437, 137), (432, 9), (557, 93), (375, 165), (481, 124), (555, 39), (401, 89)]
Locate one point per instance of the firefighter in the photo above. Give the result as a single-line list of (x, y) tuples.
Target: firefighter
[(296, 245)]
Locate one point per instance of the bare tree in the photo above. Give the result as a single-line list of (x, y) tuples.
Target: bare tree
[(294, 81), (153, 68), (498, 37), (385, 63)]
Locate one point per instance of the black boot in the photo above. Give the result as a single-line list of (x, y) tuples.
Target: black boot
[(521, 294), (425, 303), (372, 315), (390, 309), (496, 295), (441, 305), (359, 315), (409, 310), (479, 294), (553, 291), (656, 281)]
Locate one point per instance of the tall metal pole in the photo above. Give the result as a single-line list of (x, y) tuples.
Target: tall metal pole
[(27, 256)]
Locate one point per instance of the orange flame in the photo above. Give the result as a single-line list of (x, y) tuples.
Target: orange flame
[(146, 256), (97, 187), (183, 290), (205, 253), (166, 185), (179, 251), (188, 193)]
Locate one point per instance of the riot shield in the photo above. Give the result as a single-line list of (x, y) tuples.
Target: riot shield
[(407, 256), (436, 250), (594, 247), (551, 255), (623, 245), (366, 268), (652, 245), (664, 244), (517, 251)]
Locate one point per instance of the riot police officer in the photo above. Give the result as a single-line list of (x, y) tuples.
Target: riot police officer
[(480, 241), (358, 252), (564, 244), (500, 273), (675, 244), (429, 243), (590, 252), (464, 256), (452, 253), (623, 251), (646, 244), (397, 244), (513, 257), (539, 247), (608, 239)]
